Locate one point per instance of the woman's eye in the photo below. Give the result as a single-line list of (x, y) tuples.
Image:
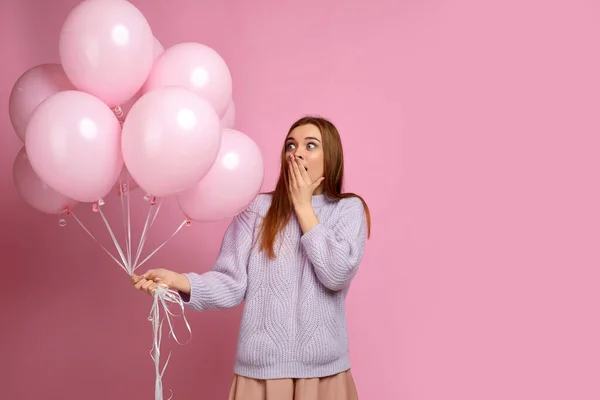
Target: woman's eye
[(311, 146), (290, 146)]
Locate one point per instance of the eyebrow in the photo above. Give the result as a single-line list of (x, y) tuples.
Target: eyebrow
[(308, 138)]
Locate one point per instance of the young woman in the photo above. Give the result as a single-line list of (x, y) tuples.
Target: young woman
[(291, 255)]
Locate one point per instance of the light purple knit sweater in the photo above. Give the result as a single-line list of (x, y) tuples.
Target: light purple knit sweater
[(294, 322)]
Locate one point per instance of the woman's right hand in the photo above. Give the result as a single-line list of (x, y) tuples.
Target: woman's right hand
[(153, 277)]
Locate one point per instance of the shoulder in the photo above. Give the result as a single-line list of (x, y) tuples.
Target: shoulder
[(351, 204), (347, 210), (259, 205), (348, 214), (248, 216)]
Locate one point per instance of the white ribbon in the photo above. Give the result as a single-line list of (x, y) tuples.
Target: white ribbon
[(162, 296), (184, 223), (123, 266)]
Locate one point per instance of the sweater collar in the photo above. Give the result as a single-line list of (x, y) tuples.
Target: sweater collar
[(318, 200)]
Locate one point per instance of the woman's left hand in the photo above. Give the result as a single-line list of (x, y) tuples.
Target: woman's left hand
[(173, 280), (300, 187)]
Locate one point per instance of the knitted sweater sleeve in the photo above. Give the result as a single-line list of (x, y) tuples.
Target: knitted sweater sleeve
[(224, 286), (335, 250)]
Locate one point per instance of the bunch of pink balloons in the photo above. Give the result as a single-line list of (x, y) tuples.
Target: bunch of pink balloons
[(119, 103)]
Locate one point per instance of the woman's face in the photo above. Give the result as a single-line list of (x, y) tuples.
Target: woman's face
[(306, 144)]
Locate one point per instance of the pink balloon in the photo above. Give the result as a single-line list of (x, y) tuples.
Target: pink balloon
[(231, 184), (228, 120), (106, 48), (34, 191), (171, 137), (158, 50), (73, 143), (195, 67), (34, 86)]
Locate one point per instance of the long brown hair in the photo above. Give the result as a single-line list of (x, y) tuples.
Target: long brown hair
[(281, 207)]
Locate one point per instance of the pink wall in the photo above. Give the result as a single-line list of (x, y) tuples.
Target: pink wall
[(472, 130)]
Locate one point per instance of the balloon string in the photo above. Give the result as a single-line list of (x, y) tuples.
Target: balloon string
[(143, 237), (115, 241), (124, 191), (147, 225), (184, 223), (125, 203), (162, 296), (129, 227), (96, 240), (155, 214)]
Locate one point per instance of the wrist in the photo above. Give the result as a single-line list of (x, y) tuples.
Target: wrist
[(303, 209), (182, 284), (306, 218)]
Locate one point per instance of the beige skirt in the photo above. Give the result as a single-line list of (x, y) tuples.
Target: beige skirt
[(336, 387)]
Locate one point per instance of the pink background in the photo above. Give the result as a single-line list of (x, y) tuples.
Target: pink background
[(470, 127)]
